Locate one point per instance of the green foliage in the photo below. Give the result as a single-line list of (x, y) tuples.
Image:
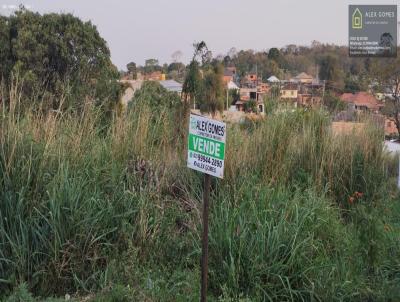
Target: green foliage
[(152, 65), (211, 96), (250, 106), (275, 55), (333, 104), (354, 84), (192, 83), (58, 57), (176, 71), (132, 70), (206, 88), (116, 212), (330, 70), (118, 293), (156, 97), (270, 105), (266, 244), (21, 294)]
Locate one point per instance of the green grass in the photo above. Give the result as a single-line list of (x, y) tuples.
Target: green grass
[(111, 213)]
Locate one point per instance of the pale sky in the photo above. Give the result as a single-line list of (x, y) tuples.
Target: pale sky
[(138, 30)]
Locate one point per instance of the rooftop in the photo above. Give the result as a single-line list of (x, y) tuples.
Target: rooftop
[(361, 99), (303, 76), (172, 85), (273, 79)]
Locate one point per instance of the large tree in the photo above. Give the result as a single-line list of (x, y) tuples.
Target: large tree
[(331, 72), (132, 70), (58, 56), (204, 83), (213, 92)]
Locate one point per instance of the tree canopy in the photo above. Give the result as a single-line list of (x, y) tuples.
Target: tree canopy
[(57, 55)]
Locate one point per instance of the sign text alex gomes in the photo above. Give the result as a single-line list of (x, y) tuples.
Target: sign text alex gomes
[(206, 145)]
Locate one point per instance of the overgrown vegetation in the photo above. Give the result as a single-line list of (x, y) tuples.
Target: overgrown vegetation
[(114, 214), (62, 62)]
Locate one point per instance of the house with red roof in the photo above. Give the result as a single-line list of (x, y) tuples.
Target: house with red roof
[(362, 101)]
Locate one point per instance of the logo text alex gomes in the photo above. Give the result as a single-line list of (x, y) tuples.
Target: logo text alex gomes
[(210, 128), (374, 14)]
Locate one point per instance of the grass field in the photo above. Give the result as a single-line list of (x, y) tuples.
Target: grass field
[(111, 213)]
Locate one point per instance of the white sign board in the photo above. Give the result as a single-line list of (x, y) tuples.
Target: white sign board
[(206, 145)]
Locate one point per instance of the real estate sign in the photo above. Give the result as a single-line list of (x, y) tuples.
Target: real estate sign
[(206, 145)]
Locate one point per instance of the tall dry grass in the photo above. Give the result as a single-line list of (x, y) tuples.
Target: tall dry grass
[(87, 204)]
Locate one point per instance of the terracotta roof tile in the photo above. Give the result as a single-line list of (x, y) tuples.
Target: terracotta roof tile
[(361, 99)]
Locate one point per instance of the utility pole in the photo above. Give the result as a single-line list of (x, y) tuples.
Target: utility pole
[(227, 97)]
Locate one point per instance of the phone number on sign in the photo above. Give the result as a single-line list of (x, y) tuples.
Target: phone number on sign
[(206, 159)]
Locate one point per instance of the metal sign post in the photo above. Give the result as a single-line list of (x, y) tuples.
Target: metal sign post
[(206, 153), (204, 246)]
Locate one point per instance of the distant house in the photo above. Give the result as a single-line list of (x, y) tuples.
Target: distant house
[(251, 77), (263, 88), (273, 79), (250, 80), (172, 85), (154, 76), (303, 78), (251, 94), (362, 101), (229, 74), (310, 94), (247, 94), (289, 91), (308, 100)]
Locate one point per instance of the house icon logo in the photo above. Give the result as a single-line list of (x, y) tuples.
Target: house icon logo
[(193, 124), (356, 19)]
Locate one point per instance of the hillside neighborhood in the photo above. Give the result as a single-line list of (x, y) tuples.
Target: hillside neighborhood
[(251, 93)]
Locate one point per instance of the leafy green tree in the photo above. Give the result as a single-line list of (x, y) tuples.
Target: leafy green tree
[(250, 106), (330, 71), (155, 96), (333, 104), (151, 65), (274, 54), (151, 62), (192, 84), (176, 71), (59, 56), (132, 70), (213, 92), (208, 90), (355, 83)]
